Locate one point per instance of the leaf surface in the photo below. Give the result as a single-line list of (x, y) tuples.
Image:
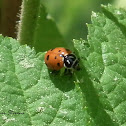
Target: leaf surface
[(105, 63)]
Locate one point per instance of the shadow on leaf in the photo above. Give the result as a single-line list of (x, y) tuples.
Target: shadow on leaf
[(94, 106), (64, 83)]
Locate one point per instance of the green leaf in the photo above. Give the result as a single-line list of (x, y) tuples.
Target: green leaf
[(103, 58), (18, 66), (31, 95), (37, 29)]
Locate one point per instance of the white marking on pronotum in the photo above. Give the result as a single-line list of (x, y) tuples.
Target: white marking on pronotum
[(68, 61)]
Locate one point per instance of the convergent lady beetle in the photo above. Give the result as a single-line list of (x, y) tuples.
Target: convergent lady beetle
[(60, 57)]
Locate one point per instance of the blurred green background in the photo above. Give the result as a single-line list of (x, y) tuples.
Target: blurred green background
[(71, 16)]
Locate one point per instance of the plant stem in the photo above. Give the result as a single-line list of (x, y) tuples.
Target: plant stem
[(27, 25)]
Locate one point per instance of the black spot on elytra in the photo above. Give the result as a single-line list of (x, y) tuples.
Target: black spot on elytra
[(51, 49), (47, 57), (59, 51), (58, 64), (55, 57)]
